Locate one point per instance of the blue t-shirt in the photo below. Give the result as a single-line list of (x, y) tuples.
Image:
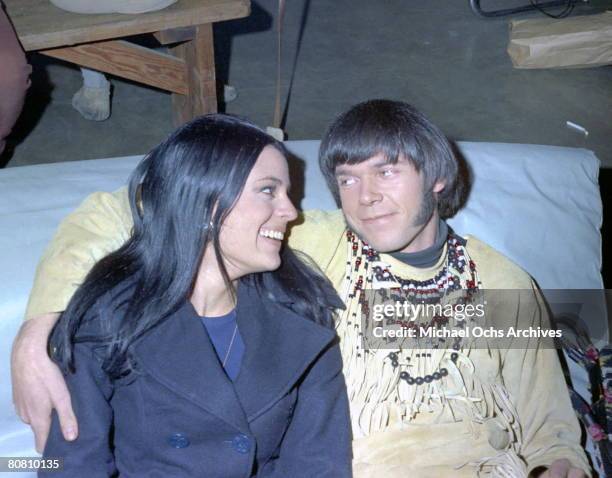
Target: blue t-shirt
[(225, 337)]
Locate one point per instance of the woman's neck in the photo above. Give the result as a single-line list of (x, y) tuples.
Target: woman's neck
[(211, 296)]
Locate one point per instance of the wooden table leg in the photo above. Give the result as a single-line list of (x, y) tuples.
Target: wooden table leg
[(199, 58)]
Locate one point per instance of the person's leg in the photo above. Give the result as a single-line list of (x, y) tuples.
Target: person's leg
[(14, 78), (93, 98)]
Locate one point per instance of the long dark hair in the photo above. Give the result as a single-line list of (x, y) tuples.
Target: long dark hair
[(180, 194)]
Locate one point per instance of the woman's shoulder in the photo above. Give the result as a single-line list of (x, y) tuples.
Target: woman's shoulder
[(104, 317)]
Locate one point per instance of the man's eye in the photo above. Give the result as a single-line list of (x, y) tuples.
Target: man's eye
[(345, 181), (387, 173)]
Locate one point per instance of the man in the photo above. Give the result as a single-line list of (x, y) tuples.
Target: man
[(441, 412)]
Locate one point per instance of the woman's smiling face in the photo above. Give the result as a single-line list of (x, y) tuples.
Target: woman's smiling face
[(251, 235)]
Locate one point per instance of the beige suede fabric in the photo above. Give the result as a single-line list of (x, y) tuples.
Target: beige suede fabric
[(514, 414), (447, 441), (112, 6)]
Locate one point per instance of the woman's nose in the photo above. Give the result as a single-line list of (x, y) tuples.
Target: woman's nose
[(287, 210)]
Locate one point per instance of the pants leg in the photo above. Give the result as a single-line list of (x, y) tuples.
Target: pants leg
[(14, 78)]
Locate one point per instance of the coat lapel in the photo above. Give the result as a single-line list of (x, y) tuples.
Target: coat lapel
[(179, 354), (279, 346)]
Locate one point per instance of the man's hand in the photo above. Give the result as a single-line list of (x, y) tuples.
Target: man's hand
[(562, 469), (38, 384)]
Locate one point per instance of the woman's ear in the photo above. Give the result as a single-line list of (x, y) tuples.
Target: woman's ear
[(139, 205)]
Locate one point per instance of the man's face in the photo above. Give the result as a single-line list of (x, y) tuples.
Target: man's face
[(386, 205)]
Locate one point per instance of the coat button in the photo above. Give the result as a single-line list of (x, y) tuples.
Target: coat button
[(178, 440), (241, 443)]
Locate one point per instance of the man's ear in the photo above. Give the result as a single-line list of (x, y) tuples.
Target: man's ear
[(439, 186)]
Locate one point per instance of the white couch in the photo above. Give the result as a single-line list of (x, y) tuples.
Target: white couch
[(539, 205)]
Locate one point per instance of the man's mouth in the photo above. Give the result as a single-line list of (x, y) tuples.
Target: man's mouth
[(272, 234), (373, 219)]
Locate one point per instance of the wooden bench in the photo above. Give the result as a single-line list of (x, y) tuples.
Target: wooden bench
[(93, 41)]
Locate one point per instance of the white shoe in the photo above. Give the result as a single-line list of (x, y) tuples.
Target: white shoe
[(93, 103)]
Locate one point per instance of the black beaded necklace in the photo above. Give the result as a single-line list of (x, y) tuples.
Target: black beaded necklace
[(458, 265)]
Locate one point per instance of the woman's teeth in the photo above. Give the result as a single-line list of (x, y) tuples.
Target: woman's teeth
[(272, 234)]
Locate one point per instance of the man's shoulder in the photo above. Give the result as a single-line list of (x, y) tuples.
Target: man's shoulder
[(496, 270), (317, 230), (333, 219), (318, 234)]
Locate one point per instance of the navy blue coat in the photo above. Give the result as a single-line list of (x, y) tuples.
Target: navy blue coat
[(286, 414)]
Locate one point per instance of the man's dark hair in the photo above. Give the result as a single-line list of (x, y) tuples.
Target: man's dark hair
[(396, 130)]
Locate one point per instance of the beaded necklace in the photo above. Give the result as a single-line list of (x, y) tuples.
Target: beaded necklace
[(458, 274)]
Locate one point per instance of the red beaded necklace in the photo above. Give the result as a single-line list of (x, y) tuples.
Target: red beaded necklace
[(459, 272)]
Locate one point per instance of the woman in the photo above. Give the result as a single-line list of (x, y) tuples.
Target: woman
[(194, 350)]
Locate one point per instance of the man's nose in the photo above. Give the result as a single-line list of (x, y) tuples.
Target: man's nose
[(368, 192)]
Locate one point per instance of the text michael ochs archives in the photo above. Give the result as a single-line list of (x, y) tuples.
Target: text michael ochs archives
[(488, 318)]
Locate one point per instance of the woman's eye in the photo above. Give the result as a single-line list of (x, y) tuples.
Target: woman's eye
[(268, 190)]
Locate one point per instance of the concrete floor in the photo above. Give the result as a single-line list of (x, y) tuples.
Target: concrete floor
[(433, 53)]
